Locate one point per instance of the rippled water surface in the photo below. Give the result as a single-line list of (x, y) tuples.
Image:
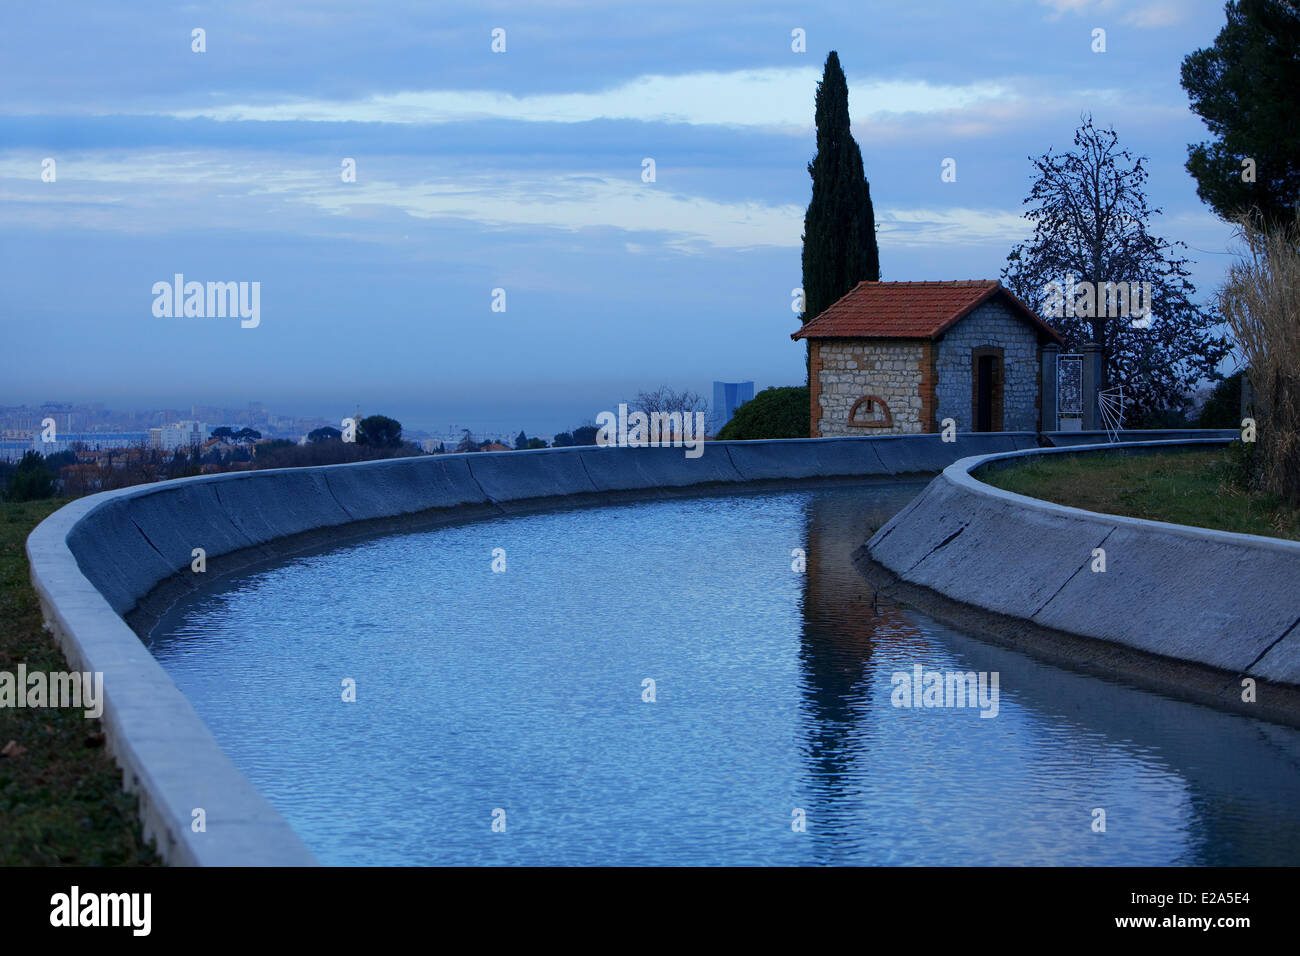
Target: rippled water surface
[(522, 691)]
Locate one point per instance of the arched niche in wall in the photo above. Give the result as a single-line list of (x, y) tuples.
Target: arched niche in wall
[(870, 411)]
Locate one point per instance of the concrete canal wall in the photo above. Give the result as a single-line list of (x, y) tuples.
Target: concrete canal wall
[(1228, 602)]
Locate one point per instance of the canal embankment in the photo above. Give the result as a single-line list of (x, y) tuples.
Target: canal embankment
[(1207, 615)]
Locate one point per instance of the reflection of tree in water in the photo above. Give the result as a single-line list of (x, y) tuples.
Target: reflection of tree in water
[(840, 630)]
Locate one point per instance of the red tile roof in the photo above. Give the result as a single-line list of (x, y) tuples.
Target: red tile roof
[(911, 310)]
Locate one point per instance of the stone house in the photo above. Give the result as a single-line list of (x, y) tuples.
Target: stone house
[(893, 358)]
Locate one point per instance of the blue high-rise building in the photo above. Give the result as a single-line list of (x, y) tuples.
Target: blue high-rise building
[(727, 397)]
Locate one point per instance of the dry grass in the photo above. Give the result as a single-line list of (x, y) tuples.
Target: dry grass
[(1196, 488), (1261, 304)]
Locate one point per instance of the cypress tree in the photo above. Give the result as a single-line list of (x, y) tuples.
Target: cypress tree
[(839, 229)]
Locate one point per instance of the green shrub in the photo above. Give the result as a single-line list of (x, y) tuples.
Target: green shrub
[(1240, 467), (1223, 408), (31, 480), (772, 413)]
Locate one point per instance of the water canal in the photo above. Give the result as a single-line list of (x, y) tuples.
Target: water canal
[(524, 690)]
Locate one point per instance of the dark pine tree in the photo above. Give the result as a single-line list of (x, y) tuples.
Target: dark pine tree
[(1244, 88), (839, 229)]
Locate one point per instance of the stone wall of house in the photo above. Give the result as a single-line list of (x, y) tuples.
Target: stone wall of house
[(991, 324), (847, 370)]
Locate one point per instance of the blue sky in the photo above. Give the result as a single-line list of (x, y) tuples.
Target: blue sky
[(522, 170)]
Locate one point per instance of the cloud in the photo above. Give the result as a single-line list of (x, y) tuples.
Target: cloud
[(926, 228), (685, 223), (777, 98), (577, 203), (1062, 7), (1162, 14), (162, 192), (1144, 15)]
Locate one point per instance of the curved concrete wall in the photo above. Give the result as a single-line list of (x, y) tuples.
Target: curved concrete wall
[(1061, 439), (97, 558), (1225, 601)]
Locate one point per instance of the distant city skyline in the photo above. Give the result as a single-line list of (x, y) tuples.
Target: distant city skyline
[(497, 418)]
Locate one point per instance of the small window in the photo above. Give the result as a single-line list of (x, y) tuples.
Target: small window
[(870, 411)]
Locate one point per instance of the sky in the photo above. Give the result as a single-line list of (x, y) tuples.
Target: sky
[(522, 169)]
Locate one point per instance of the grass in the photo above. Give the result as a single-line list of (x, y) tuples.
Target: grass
[(1197, 488), (61, 797)]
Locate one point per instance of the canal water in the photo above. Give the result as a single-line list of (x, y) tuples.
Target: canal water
[(699, 680)]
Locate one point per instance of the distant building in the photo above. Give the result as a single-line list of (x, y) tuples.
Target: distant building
[(727, 397), (218, 446), (65, 441), (14, 449), (185, 435)]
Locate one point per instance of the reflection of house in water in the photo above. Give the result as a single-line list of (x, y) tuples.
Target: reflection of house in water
[(1189, 756), (840, 626)]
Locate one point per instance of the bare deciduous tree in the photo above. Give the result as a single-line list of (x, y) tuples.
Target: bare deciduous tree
[(665, 399), (1090, 217)]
